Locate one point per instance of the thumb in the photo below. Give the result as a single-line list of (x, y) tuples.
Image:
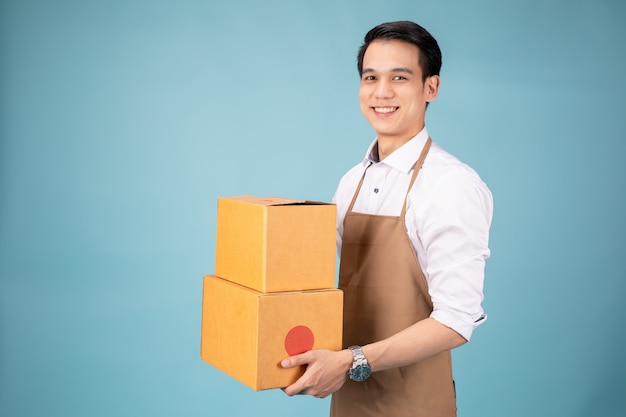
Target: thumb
[(296, 360)]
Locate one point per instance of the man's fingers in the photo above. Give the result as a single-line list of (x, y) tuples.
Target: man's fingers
[(294, 389), (297, 388), (297, 360), (322, 376)]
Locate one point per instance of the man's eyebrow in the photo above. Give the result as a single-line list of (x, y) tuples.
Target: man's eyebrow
[(400, 69)]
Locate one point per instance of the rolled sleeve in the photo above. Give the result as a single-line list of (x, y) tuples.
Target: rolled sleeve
[(453, 246)]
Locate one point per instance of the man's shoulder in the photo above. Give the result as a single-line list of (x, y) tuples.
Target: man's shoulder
[(353, 173), (441, 161), (446, 176)]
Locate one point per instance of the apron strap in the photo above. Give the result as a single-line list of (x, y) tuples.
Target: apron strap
[(416, 169), (358, 188)]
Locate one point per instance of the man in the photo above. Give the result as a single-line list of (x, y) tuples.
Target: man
[(413, 228)]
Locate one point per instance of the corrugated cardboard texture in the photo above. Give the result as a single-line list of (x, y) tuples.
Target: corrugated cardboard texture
[(275, 244), (244, 331)]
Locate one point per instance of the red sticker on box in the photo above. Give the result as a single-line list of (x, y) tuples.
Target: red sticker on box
[(299, 340)]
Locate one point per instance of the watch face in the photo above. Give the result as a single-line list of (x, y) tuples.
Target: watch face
[(360, 373)]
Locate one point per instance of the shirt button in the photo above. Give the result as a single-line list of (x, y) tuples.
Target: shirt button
[(376, 190)]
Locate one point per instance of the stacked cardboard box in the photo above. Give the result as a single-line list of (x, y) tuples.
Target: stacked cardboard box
[(272, 294)]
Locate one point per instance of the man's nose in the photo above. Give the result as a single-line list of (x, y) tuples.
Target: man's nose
[(384, 89)]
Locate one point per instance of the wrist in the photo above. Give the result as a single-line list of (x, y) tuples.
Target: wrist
[(360, 369)]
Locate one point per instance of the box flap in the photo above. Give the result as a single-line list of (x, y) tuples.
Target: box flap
[(272, 201)]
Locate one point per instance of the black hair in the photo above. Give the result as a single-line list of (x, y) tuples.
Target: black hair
[(405, 31)]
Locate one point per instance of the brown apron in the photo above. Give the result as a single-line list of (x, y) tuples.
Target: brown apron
[(385, 292)]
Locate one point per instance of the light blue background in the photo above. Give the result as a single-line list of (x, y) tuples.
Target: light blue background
[(121, 122)]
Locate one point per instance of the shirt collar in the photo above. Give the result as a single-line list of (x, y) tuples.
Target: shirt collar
[(402, 158)]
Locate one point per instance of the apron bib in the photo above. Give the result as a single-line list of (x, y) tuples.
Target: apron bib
[(385, 291)]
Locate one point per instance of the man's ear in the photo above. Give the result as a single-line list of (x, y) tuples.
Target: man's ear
[(431, 88)]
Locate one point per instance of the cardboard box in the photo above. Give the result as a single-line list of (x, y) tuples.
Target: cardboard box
[(276, 244), (246, 333)]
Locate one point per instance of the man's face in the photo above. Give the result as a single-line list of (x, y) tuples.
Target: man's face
[(392, 95)]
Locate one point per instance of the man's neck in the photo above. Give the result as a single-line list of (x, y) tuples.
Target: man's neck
[(389, 144)]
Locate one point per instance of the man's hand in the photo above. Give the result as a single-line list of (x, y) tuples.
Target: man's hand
[(326, 372)]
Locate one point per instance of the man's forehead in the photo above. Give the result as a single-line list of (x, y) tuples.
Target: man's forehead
[(391, 55)]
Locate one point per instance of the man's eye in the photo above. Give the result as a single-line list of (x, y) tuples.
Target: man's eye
[(399, 78), (369, 78)]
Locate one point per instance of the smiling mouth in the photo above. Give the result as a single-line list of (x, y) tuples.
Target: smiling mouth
[(385, 110)]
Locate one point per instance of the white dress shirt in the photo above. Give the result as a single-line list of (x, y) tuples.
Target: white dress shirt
[(449, 211)]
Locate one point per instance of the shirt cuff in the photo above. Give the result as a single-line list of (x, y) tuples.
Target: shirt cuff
[(463, 324)]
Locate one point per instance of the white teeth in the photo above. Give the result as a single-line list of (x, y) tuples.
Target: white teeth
[(385, 109)]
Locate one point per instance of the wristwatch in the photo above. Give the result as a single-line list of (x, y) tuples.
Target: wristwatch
[(360, 369)]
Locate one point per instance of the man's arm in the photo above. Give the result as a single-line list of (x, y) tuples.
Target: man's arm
[(327, 371), (455, 239)]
